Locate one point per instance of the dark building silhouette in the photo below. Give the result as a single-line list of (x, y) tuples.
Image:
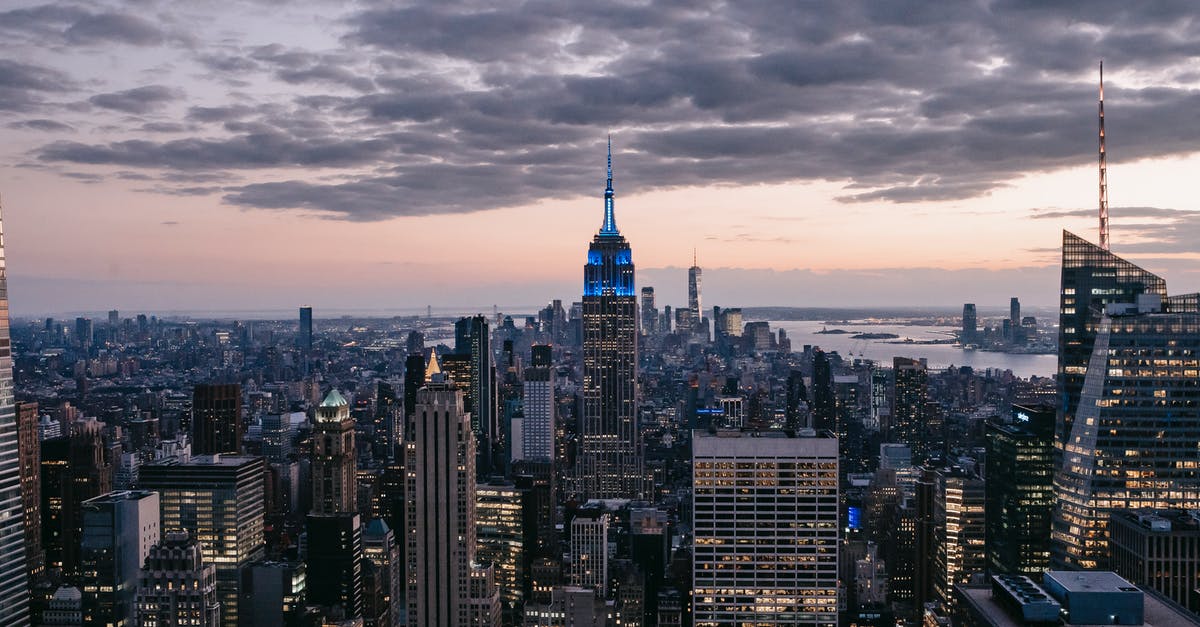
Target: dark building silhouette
[(970, 325), (823, 406), (335, 569), (217, 419), (1020, 491), (472, 342)]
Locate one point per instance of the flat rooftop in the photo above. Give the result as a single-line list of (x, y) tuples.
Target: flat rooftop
[(1156, 612)]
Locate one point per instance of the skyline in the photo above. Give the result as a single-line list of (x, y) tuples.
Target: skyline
[(271, 156)]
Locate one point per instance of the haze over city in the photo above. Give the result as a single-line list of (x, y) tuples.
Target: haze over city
[(172, 156)]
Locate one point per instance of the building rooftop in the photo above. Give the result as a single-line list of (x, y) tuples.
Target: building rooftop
[(1090, 581), (334, 399), (988, 610)]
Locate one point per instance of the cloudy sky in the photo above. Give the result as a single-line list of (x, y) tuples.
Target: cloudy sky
[(247, 155)]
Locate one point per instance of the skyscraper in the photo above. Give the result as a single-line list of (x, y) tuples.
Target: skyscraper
[(694, 301), (178, 586), (610, 447), (910, 406), (970, 325), (333, 457), (535, 440), (649, 311), (472, 341), (440, 512), (959, 531), (304, 339), (217, 418), (1020, 491), (501, 533), (218, 499), (1133, 441), (335, 563), (1091, 279), (119, 528), (765, 519), (30, 455), (14, 567)]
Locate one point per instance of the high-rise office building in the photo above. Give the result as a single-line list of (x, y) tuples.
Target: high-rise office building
[(823, 407), (1135, 417), (970, 325), (1158, 549), (533, 436), (910, 407), (219, 500), (694, 301), (472, 341), (217, 419), (649, 311), (381, 551), (414, 378), (304, 339), (29, 454), (335, 564), (610, 446), (119, 528), (1014, 311), (83, 334), (1020, 490), (333, 457), (959, 530), (769, 502), (14, 564), (178, 587), (1091, 279), (74, 469), (588, 565), (273, 593), (440, 511), (500, 525)]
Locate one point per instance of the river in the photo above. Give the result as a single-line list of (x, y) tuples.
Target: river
[(939, 356)]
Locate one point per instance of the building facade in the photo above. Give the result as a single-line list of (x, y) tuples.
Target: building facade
[(333, 457), (217, 419), (440, 511), (119, 529), (219, 500), (1020, 491), (610, 448), (177, 587), (765, 520)]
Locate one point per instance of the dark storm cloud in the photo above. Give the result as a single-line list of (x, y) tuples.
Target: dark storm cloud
[(137, 100), (469, 106)]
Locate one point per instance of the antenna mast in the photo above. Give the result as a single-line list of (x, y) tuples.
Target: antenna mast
[(1103, 170)]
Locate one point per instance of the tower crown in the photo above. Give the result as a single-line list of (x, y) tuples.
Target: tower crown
[(610, 220)]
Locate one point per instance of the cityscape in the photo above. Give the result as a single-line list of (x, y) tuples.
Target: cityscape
[(647, 448)]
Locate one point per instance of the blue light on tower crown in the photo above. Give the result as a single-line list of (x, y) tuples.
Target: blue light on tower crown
[(609, 269)]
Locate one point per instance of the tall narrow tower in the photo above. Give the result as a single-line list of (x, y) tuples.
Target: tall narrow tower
[(333, 457), (14, 589), (694, 302), (1103, 170), (610, 451)]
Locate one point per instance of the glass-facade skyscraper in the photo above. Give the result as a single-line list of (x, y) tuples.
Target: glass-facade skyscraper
[(1091, 278), (610, 451), (1133, 441), (14, 586)]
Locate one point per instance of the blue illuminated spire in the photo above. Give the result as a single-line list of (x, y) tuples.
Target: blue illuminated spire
[(610, 219)]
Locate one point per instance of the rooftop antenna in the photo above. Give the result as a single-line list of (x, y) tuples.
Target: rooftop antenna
[(1103, 170)]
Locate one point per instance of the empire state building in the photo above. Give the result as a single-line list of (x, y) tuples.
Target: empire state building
[(610, 446)]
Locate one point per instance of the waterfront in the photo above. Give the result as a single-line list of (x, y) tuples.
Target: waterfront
[(939, 356)]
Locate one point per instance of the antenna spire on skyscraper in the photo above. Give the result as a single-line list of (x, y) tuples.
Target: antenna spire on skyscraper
[(1103, 170), (610, 220)]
